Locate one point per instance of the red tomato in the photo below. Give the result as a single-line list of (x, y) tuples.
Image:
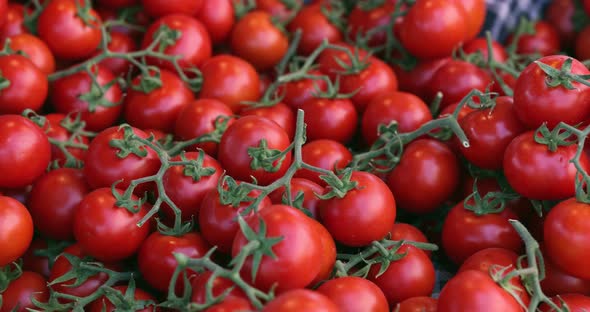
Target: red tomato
[(363, 215), (417, 304), (219, 18), (231, 304), (68, 36), (34, 263), (545, 41), (217, 221), (489, 132), (559, 14), (54, 130), (156, 257), (159, 108), (427, 166), (197, 118), (574, 302), (231, 80), (119, 43), (34, 49), (417, 80), (557, 282), (301, 300), (246, 133), (53, 201), (257, 40), (315, 27), (582, 44), (188, 191), (535, 102), (352, 293), (104, 167), (106, 231), (16, 231), (411, 276), (103, 304), (192, 43), (297, 92), (473, 290), (325, 154), (294, 265), (328, 258), (307, 187), (67, 97), (21, 291), (433, 28), (159, 8), (331, 119), (13, 24), (408, 232), (219, 286), (537, 173), (279, 113), (24, 151), (362, 21), (377, 78), (24, 85), (480, 45), (476, 14), (277, 8), (465, 233)]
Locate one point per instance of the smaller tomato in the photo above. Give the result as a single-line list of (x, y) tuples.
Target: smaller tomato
[(352, 293), (582, 45), (279, 9), (119, 43), (315, 27), (279, 113), (34, 49), (309, 189), (103, 304), (328, 247), (417, 304), (24, 84), (54, 130), (301, 300), (325, 154), (297, 92), (219, 18), (545, 40), (20, 293), (480, 45), (574, 302), (408, 232), (159, 8), (330, 119), (14, 22), (219, 286)]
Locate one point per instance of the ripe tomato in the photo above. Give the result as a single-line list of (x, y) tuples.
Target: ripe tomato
[(53, 201), (279, 113), (328, 257), (489, 132), (257, 40), (377, 78), (20, 292), (249, 132), (352, 293), (331, 119), (325, 154), (106, 231), (81, 38), (307, 187), (427, 166), (219, 18), (120, 43), (476, 14), (545, 41), (186, 192), (231, 80), (582, 50), (16, 231), (480, 45), (193, 44), (294, 265), (25, 85), (535, 172), (411, 276), (118, 4), (361, 21), (315, 27), (54, 130), (24, 151), (363, 215), (13, 24), (231, 304), (417, 304), (156, 257), (473, 290), (417, 80), (465, 233), (408, 232), (219, 286), (103, 166), (277, 8), (433, 28), (218, 222), (297, 92), (34, 49), (34, 263), (197, 118), (559, 14), (159, 8), (103, 304), (536, 102), (574, 302), (301, 300), (66, 97), (558, 282)]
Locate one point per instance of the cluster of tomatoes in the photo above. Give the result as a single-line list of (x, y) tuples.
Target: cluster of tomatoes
[(275, 155)]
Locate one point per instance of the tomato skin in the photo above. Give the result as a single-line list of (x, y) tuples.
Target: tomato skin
[(331, 119), (315, 27), (544, 41), (427, 166), (17, 230), (80, 40), (309, 189), (231, 80), (220, 285), (582, 52), (465, 233), (218, 223), (559, 14), (121, 43), (53, 201), (535, 102), (257, 40), (231, 304), (432, 29), (328, 250), (184, 191), (411, 276), (475, 291), (156, 260), (197, 118), (193, 45), (65, 97), (20, 292), (408, 232), (36, 50), (159, 8), (476, 13), (138, 294), (277, 8), (108, 232), (352, 293), (537, 173), (489, 132), (417, 304), (159, 108), (325, 154), (376, 79), (296, 254), (574, 302), (417, 80), (279, 113), (361, 21), (247, 132), (480, 45), (24, 150), (28, 85), (13, 25), (218, 17), (103, 167), (301, 300), (54, 130), (297, 92), (557, 282), (565, 236), (363, 215), (34, 263)]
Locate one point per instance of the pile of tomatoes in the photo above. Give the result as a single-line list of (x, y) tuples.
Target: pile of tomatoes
[(275, 155)]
